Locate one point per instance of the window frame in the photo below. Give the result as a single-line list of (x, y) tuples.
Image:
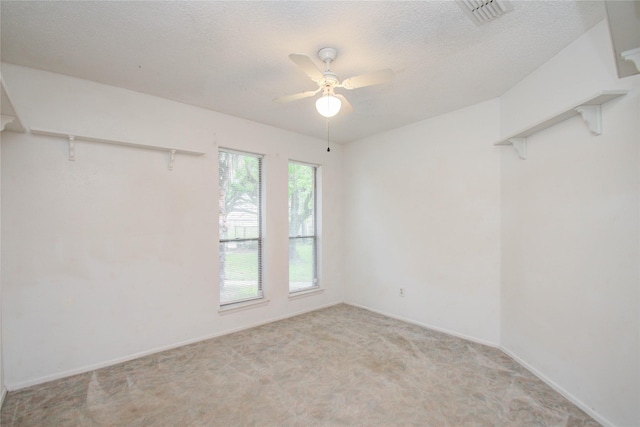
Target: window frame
[(314, 236), (260, 298)]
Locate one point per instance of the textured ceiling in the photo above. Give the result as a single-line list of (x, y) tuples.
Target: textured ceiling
[(232, 57)]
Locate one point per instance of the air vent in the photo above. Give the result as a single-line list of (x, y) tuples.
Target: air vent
[(482, 11)]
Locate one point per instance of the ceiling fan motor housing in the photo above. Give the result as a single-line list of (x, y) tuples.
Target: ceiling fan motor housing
[(330, 79)]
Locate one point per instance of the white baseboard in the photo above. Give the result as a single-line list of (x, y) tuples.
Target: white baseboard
[(428, 326), (593, 414), (93, 367), (570, 397), (598, 417)]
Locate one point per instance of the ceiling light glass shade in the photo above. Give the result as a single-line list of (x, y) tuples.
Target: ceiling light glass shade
[(328, 105)]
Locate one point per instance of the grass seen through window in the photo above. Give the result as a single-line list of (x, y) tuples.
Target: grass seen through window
[(298, 271)]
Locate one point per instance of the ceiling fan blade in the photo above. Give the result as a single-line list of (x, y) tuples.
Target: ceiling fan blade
[(307, 65), (346, 107), (375, 78), (295, 97)]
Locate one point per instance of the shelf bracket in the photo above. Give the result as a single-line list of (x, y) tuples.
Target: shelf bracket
[(72, 148), (520, 144), (632, 55), (592, 116), (172, 159), (6, 120)]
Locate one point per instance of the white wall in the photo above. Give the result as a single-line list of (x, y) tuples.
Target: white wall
[(113, 255), (422, 212), (570, 234)]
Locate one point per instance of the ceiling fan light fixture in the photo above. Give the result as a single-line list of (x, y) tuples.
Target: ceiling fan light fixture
[(328, 105)]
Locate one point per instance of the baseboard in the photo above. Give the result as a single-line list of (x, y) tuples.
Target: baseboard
[(89, 368), (570, 397), (428, 326), (593, 414), (598, 417)]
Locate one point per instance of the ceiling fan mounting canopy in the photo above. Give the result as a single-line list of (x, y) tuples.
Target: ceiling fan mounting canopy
[(327, 54)]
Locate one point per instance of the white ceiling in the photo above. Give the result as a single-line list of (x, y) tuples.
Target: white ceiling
[(232, 57)]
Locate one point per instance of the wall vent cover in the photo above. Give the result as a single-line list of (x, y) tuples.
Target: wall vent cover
[(481, 11)]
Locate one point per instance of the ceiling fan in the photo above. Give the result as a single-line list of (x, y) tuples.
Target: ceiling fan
[(329, 104)]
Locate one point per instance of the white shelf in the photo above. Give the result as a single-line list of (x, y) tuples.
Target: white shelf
[(589, 109), (73, 137), (10, 120)]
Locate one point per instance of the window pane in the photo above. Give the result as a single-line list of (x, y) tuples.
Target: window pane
[(301, 200), (302, 227), (239, 271), (302, 257), (239, 196), (240, 227)]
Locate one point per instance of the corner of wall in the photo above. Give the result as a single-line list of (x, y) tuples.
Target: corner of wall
[(3, 389), (450, 278)]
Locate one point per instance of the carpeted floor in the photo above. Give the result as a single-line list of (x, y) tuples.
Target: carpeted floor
[(339, 366)]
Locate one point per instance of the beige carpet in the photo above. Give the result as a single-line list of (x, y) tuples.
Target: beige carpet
[(339, 366)]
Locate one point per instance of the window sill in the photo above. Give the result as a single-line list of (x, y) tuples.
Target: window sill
[(303, 294), (233, 308)]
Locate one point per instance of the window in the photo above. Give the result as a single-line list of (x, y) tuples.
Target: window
[(303, 240), (240, 204)]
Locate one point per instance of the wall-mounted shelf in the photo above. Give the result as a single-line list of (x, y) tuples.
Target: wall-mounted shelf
[(72, 138), (589, 110), (9, 120)]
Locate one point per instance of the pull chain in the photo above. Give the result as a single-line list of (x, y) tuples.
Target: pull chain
[(328, 149)]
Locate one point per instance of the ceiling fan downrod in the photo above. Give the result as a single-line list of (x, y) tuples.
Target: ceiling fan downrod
[(327, 55)]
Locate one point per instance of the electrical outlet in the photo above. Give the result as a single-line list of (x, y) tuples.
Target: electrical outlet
[(401, 292)]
